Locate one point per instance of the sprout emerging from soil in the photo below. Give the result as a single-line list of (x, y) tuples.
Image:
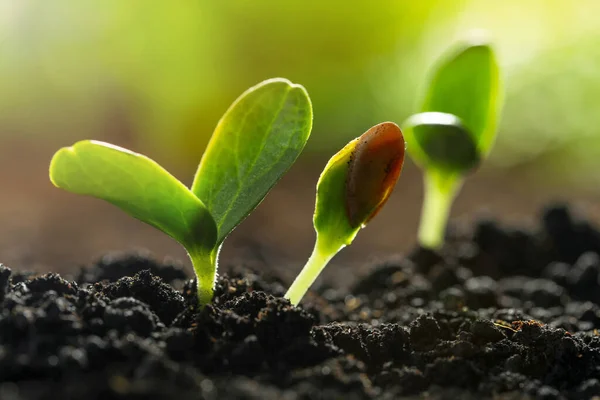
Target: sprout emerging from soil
[(454, 131), (355, 184), (254, 144)]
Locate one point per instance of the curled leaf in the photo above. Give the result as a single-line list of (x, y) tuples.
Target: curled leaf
[(441, 142)]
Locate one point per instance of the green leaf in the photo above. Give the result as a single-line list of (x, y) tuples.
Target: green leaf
[(466, 84), (254, 144), (439, 141), (331, 219), (137, 185)]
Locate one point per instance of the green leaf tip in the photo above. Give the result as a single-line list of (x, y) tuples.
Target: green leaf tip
[(466, 83), (256, 141), (353, 187)]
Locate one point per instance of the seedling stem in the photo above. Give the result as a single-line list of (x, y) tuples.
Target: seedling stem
[(440, 191), (319, 258), (205, 268)]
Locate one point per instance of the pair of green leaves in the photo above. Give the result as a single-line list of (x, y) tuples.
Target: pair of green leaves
[(454, 131), (254, 144)]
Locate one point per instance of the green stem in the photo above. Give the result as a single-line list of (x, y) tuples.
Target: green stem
[(205, 268), (440, 191), (315, 264)]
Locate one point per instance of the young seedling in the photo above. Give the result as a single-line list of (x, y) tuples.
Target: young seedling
[(354, 185), (254, 144), (454, 131)]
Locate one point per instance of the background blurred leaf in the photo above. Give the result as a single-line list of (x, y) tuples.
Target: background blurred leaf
[(466, 84), (440, 141)]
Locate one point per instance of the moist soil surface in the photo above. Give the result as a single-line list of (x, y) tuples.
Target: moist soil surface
[(499, 313)]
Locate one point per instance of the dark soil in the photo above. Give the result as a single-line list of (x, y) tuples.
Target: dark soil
[(500, 313)]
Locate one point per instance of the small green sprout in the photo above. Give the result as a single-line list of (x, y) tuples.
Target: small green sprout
[(254, 144), (355, 184), (454, 132)]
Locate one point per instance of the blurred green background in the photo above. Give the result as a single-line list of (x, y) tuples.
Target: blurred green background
[(163, 72), (156, 76)]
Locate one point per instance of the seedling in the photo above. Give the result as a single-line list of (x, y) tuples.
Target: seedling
[(454, 131), (354, 185), (254, 144)]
